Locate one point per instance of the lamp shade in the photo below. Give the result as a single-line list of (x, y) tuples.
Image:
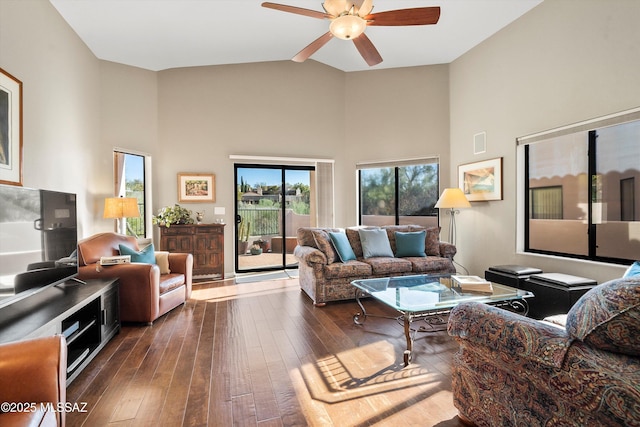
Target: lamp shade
[(452, 198), (121, 207)]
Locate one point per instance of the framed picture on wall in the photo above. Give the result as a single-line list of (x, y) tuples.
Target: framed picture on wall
[(196, 187), (481, 181), (10, 129)]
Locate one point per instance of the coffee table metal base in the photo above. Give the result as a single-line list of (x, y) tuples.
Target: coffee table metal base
[(433, 318)]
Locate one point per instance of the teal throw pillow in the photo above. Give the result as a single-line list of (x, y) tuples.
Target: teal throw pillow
[(146, 255), (342, 246), (633, 270), (375, 242), (410, 243)]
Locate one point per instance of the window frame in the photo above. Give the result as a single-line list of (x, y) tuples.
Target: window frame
[(396, 165), (590, 127), (148, 209)]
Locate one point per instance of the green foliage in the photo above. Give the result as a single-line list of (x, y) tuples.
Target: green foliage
[(301, 208), (134, 185), (266, 203), (170, 215), (417, 190), (378, 191)]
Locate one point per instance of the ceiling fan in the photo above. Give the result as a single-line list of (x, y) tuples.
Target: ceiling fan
[(349, 19)]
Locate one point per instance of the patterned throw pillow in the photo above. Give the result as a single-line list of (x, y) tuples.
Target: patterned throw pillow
[(323, 242), (354, 240), (431, 241), (608, 317)]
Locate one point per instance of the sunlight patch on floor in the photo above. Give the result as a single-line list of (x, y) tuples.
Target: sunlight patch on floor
[(331, 379), (228, 290)]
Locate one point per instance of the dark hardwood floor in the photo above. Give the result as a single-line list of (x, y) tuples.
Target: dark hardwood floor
[(260, 354)]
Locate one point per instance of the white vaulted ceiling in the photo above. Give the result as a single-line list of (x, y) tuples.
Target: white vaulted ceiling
[(163, 34)]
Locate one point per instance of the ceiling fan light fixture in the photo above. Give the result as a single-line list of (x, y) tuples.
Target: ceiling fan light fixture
[(335, 7), (347, 27)]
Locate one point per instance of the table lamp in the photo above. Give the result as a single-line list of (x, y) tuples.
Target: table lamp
[(121, 208)]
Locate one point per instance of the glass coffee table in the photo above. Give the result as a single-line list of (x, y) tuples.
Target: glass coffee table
[(429, 297)]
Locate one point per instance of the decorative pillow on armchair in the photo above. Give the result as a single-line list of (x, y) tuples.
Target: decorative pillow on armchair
[(146, 255), (608, 317), (162, 259)]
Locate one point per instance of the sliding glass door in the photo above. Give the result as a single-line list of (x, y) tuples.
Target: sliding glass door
[(272, 202)]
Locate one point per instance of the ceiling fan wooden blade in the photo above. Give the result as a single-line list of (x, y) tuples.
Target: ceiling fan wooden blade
[(297, 10), (415, 16), (367, 50), (313, 47)]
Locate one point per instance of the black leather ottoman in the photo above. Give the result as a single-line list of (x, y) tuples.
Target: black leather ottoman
[(510, 275), (555, 293)]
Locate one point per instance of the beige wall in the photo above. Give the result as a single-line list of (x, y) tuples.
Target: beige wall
[(392, 115), (61, 99), (206, 114), (561, 63), (285, 109)]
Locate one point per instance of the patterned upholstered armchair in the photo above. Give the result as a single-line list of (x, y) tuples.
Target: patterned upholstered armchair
[(512, 370)]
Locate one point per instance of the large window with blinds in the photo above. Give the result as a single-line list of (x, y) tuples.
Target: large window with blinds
[(580, 198), (398, 193)]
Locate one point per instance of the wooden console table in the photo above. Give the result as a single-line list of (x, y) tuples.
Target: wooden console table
[(87, 314), (204, 241)]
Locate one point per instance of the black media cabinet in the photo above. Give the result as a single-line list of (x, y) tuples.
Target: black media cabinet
[(87, 314)]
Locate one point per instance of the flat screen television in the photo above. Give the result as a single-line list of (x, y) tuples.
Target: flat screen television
[(38, 241)]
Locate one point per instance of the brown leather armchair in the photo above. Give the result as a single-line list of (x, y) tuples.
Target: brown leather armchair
[(145, 294), (33, 376)]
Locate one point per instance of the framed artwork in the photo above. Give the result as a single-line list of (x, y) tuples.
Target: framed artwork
[(10, 129), (196, 187), (481, 181)]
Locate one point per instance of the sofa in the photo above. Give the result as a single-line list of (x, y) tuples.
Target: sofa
[(580, 369), (33, 376), (148, 290), (325, 276)]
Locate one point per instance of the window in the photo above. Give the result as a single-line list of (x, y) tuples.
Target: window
[(399, 193), (546, 202), (131, 181), (580, 195)]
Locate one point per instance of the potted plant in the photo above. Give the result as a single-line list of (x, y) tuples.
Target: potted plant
[(172, 215), (255, 249), (262, 244)]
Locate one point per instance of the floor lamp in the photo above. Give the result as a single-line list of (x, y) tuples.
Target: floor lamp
[(121, 208), (452, 199)]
